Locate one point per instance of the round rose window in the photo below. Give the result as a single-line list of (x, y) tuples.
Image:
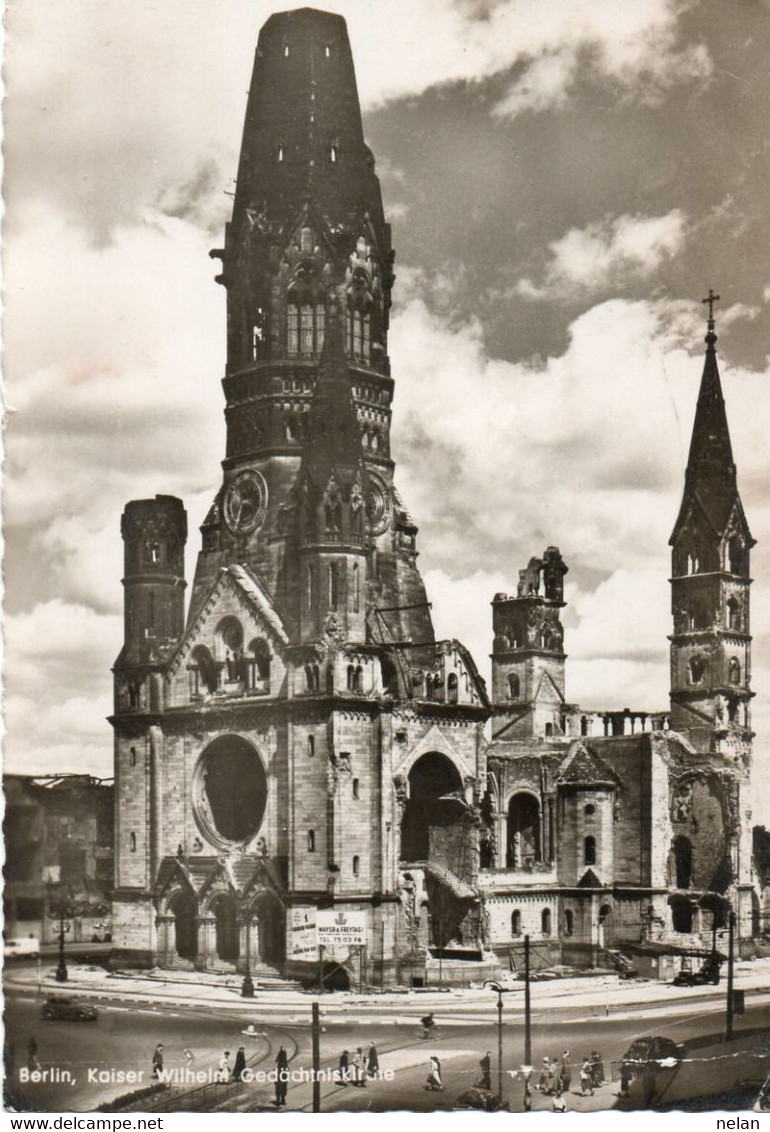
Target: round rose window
[(230, 790)]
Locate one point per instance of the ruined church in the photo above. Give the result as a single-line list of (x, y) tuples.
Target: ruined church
[(294, 738)]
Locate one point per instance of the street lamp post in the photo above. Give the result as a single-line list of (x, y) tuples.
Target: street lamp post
[(247, 986), (61, 967), (499, 991)]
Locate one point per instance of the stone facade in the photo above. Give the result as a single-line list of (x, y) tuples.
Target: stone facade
[(300, 740)]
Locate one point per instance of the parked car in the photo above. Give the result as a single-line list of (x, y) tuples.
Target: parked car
[(59, 1009), (647, 1054), (480, 1100), (708, 973), (22, 946)]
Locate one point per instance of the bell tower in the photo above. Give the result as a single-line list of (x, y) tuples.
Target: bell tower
[(307, 238), (711, 643), (528, 688)]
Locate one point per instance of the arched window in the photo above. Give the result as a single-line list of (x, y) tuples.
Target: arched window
[(451, 688), (132, 842), (734, 670), (360, 305), (514, 686), (693, 562), (327, 50), (204, 670), (286, 51), (311, 746), (334, 150), (589, 851), (569, 921), (549, 730), (697, 669), (259, 664), (311, 841), (305, 313), (515, 922), (310, 586), (311, 677), (334, 585), (418, 685), (734, 613), (583, 725), (355, 786), (356, 588), (736, 557), (280, 152), (351, 677), (545, 921), (133, 756), (356, 864)]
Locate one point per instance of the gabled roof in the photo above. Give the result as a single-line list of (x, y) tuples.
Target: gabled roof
[(243, 581), (583, 767), (589, 879)]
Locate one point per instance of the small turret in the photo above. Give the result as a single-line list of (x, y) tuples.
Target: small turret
[(528, 653), (154, 534)]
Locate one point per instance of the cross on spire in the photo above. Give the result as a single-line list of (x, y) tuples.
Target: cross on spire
[(711, 298)]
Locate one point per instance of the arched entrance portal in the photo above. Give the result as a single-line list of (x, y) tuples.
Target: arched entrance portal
[(523, 831), (226, 929), (270, 918), (182, 908), (431, 777)]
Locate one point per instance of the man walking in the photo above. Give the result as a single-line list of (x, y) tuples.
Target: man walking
[(157, 1061), (485, 1081), (281, 1077)]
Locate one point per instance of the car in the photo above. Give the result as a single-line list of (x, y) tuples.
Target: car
[(708, 973), (645, 1054), (23, 946), (480, 1100), (59, 1009)]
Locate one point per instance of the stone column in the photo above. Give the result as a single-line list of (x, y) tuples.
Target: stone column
[(207, 942), (166, 925)]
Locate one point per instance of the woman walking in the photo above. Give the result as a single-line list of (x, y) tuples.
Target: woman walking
[(434, 1076)]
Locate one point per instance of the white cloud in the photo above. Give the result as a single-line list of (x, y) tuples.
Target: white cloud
[(607, 253)]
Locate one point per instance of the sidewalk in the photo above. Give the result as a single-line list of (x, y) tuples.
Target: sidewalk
[(457, 1006)]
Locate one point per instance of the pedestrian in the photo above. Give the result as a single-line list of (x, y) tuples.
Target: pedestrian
[(281, 1077), (586, 1077), (240, 1064), (597, 1069), (343, 1069), (372, 1061), (545, 1081), (485, 1081), (157, 1061), (32, 1061), (559, 1104), (434, 1076), (224, 1066), (189, 1057), (359, 1069), (565, 1072)]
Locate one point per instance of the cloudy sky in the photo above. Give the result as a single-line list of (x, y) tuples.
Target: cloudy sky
[(565, 182)]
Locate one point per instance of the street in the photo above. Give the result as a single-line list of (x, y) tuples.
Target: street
[(126, 1032)]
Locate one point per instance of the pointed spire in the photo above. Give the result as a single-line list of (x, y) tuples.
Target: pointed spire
[(710, 467)]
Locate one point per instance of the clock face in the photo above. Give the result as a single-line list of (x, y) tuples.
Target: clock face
[(379, 505), (245, 502)]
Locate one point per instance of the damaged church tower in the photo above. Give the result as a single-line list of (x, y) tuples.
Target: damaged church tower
[(302, 742)]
